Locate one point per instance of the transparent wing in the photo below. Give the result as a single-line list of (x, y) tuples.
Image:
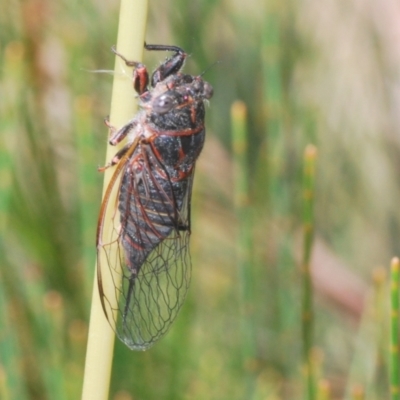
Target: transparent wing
[(145, 251)]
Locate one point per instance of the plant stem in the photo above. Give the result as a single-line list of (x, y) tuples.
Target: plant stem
[(244, 240), (394, 340), (308, 226), (131, 33)]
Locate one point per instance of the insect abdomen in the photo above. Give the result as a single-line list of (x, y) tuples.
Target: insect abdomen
[(149, 209)]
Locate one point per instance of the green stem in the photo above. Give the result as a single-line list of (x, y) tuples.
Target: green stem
[(244, 241), (131, 37), (394, 331), (307, 305)]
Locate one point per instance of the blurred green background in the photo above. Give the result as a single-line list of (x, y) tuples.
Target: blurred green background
[(325, 73)]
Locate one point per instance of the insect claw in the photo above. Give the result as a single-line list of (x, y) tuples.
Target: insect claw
[(127, 62), (107, 122), (102, 169)]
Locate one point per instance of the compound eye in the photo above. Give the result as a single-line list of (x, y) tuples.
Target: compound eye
[(208, 90), (164, 103)]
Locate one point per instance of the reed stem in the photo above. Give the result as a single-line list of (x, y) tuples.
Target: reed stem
[(130, 41), (244, 240), (307, 304), (394, 331)]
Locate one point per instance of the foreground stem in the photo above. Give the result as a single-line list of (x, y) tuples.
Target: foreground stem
[(131, 35)]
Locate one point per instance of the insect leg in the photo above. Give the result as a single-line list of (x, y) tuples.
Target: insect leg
[(140, 74), (171, 66), (115, 160), (119, 134)]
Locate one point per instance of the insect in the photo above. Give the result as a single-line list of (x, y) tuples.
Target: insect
[(147, 246)]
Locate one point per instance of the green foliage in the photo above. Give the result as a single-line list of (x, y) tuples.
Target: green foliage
[(306, 73)]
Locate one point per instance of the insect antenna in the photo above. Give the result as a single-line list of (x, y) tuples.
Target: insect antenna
[(210, 66)]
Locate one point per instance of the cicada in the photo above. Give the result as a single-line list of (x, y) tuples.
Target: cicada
[(146, 249)]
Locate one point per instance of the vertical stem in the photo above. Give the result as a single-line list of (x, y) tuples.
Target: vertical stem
[(10, 375), (394, 331), (276, 169), (12, 74), (379, 278), (131, 34), (241, 197), (307, 304), (273, 99), (53, 361)]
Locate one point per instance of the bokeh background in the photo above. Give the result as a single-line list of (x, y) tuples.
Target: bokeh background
[(309, 72)]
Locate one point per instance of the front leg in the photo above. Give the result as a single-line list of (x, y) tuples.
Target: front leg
[(140, 74), (116, 159), (170, 66), (119, 134)]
